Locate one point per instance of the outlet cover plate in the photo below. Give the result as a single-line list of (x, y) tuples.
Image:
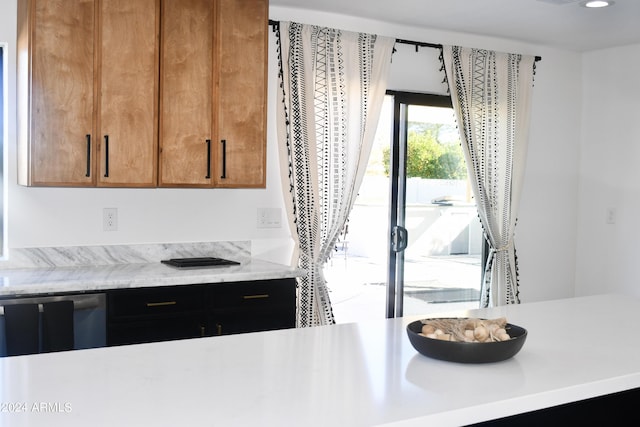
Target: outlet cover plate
[(110, 219)]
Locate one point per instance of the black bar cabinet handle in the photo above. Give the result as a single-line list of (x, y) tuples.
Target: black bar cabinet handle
[(224, 158), (88, 155), (208, 141), (106, 156)]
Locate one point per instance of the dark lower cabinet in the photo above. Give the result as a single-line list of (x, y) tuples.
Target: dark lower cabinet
[(151, 330), (238, 323), (617, 409), (142, 315), (251, 306)]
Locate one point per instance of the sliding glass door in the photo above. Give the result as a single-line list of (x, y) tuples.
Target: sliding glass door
[(434, 234), (412, 244)]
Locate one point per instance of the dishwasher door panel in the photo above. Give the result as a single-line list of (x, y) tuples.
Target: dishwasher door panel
[(89, 318)]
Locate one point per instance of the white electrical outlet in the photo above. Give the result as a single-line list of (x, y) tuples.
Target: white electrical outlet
[(612, 215), (269, 218), (110, 219)]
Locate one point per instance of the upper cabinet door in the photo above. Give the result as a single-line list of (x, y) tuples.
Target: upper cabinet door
[(128, 96), (213, 93), (187, 91), (242, 91), (57, 118), (88, 74)]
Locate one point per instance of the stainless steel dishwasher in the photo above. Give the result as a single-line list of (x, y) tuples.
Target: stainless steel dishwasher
[(89, 318)]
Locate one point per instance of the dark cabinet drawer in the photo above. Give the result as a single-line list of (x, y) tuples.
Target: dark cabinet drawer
[(255, 295), (155, 302)]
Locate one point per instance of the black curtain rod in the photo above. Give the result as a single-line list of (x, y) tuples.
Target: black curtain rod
[(274, 24)]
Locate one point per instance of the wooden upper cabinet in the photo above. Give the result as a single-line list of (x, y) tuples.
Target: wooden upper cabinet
[(128, 93), (90, 69), (56, 44), (187, 91), (213, 93), (142, 93), (242, 92)]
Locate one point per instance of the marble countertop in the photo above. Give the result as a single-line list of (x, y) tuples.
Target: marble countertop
[(359, 374), (85, 269), (21, 282)]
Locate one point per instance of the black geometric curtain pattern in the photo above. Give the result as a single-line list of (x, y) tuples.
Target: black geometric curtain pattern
[(333, 84), (491, 95)]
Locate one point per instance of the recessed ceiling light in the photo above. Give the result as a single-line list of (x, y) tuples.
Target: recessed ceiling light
[(596, 3)]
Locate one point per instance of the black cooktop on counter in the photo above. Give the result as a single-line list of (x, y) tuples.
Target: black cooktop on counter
[(198, 262)]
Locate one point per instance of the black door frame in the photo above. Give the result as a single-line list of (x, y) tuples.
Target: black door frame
[(397, 233)]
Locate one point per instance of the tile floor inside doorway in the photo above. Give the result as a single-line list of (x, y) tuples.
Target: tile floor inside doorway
[(358, 286)]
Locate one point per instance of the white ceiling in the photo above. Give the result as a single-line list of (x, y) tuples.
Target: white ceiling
[(562, 24)]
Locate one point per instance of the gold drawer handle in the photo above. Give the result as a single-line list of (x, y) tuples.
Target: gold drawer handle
[(160, 304), (256, 296)]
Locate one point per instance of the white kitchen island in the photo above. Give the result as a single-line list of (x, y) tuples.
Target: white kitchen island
[(359, 374)]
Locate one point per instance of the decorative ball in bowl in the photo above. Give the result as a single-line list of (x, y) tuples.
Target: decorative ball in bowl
[(466, 340)]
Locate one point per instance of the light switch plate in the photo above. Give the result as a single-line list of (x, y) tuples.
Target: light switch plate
[(269, 218)]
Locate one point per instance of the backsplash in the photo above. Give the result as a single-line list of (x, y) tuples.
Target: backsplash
[(75, 256)]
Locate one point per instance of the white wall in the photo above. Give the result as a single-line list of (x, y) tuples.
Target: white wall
[(546, 229), (607, 254), (49, 217)]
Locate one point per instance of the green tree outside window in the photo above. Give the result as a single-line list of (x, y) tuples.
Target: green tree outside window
[(428, 157)]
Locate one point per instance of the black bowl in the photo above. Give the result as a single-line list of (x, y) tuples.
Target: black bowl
[(467, 352)]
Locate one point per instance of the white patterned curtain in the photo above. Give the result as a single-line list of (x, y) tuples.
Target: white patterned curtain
[(333, 84), (491, 95)]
